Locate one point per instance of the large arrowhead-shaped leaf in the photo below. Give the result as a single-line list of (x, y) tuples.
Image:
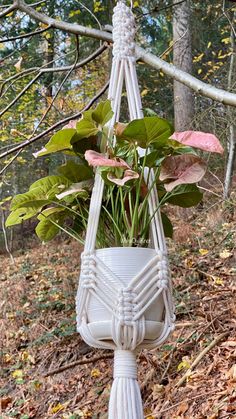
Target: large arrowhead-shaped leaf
[(75, 172), (50, 220), (49, 186), (182, 169), (85, 129), (19, 215), (146, 131), (103, 113), (97, 159), (198, 139), (184, 196), (127, 176), (60, 141), (34, 200)]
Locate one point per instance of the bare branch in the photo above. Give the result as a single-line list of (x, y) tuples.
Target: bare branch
[(9, 9), (25, 35), (198, 86), (204, 89), (23, 91), (10, 162), (57, 125), (225, 13), (61, 85), (5, 236), (91, 57), (64, 26), (157, 10), (41, 71), (32, 5)]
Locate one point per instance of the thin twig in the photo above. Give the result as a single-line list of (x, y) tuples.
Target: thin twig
[(53, 69), (171, 355), (23, 91), (157, 10), (57, 124), (225, 13), (198, 396), (60, 87), (25, 35), (10, 162), (5, 237), (79, 362), (88, 59), (9, 9), (199, 358)]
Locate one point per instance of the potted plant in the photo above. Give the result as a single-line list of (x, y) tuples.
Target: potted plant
[(168, 164)]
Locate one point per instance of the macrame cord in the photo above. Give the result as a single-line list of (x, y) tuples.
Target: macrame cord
[(125, 327)]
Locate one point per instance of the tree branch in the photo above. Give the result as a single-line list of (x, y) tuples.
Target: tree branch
[(23, 91), (60, 86), (161, 9), (41, 71), (57, 125), (26, 35), (64, 26), (204, 89), (200, 356), (8, 10), (198, 86), (79, 362)]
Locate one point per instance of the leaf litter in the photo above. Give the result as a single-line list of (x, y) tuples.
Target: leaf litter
[(38, 331)]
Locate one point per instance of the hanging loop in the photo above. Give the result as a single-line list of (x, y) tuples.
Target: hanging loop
[(123, 32)]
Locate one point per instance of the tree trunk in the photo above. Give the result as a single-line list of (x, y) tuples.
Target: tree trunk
[(231, 160), (182, 58)]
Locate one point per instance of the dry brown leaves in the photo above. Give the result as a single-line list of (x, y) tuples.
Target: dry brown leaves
[(37, 332)]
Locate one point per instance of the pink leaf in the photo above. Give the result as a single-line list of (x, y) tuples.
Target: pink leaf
[(71, 124), (97, 159), (179, 170), (198, 139), (128, 175)]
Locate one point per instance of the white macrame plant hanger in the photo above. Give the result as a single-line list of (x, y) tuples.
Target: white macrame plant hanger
[(124, 299)]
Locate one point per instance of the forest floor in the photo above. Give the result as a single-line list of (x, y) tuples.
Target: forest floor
[(48, 372)]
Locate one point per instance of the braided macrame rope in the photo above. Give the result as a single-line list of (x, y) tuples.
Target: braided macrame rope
[(124, 326)]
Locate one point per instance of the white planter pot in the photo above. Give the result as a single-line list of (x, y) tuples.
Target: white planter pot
[(125, 263)]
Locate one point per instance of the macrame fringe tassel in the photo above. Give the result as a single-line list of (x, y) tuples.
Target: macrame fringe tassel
[(125, 398)]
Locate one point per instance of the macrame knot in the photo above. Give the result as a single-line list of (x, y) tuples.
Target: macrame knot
[(125, 365), (123, 32), (126, 307), (163, 274), (87, 271)]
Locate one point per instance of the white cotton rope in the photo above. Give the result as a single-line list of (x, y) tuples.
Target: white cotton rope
[(110, 313)]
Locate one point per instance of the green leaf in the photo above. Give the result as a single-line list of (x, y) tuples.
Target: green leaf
[(146, 131), (85, 127), (49, 186), (103, 112), (184, 196), (34, 200), (60, 141), (46, 230), (75, 172), (19, 215), (167, 225), (152, 159), (40, 194)]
